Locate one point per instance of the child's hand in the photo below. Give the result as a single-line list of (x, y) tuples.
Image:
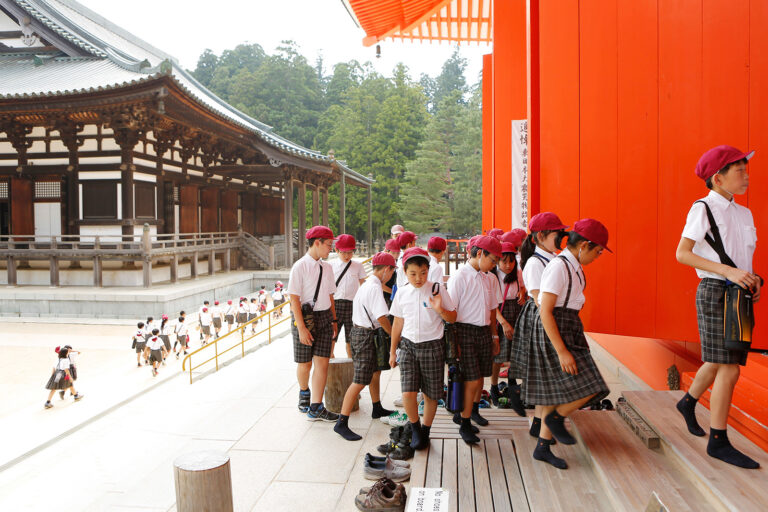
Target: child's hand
[(305, 337), (567, 362), (509, 331), (495, 346), (742, 277), (436, 301), (392, 360), (756, 291), (522, 295)]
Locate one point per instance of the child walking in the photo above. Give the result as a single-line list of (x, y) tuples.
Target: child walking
[(155, 346), (140, 342), (436, 248), (561, 375), (419, 313), (477, 339), (717, 221), (165, 336), (181, 337), (369, 313), (229, 315), (61, 378), (538, 249)]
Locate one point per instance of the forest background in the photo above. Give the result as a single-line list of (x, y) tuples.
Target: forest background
[(421, 140)]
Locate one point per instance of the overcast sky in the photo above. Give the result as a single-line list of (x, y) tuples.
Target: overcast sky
[(184, 28)]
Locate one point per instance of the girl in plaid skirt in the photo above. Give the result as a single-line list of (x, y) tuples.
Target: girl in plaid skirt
[(537, 250), (561, 375)]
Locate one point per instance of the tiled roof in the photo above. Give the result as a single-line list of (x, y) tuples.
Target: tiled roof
[(118, 59)]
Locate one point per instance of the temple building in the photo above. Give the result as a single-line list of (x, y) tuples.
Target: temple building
[(105, 139)]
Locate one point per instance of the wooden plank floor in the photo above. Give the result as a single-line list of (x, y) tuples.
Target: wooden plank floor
[(738, 489), (630, 472), (501, 423)]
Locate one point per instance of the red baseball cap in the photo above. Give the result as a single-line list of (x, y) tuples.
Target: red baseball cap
[(414, 252), (345, 243), (508, 247), (514, 237), (320, 232), (490, 244), (406, 237), (205, 310), (165, 317), (545, 221), (437, 243), (229, 302), (495, 232), (215, 303), (392, 245), (594, 231), (382, 258), (718, 157), (472, 241)]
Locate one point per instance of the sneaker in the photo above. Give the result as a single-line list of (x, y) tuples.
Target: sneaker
[(503, 375), (154, 372), (374, 458), (78, 397), (384, 482), (48, 405), (61, 394), (138, 365), (398, 402), (396, 419), (381, 497), (386, 448), (484, 404), (376, 470), (177, 355), (322, 414)]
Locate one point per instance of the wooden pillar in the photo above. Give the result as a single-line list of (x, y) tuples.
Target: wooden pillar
[(302, 218), (160, 200), (342, 203), (193, 265), (370, 224), (315, 206), (97, 274), (54, 265), (146, 260), (324, 195), (11, 262), (203, 482), (288, 205), (174, 268), (226, 261), (211, 262)]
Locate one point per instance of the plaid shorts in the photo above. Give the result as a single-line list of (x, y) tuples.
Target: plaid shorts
[(544, 381), (422, 366), (344, 316), (475, 354), (710, 314), (510, 312), (323, 334), (361, 342)]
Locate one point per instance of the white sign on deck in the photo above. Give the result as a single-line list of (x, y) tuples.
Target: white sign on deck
[(428, 499)]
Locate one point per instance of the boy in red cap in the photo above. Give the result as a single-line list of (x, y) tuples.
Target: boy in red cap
[(477, 338), (217, 317), (311, 288), (392, 248), (369, 313), (419, 310), (229, 315), (348, 275), (560, 374), (436, 248), (719, 241)]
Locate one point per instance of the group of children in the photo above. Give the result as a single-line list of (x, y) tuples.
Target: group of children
[(516, 300)]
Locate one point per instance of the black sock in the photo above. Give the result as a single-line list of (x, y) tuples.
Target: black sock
[(535, 427), (556, 424), (544, 454), (416, 441), (721, 448), (314, 407), (476, 415), (457, 419), (342, 428), (494, 389), (687, 407), (379, 411), (466, 433), (425, 431)]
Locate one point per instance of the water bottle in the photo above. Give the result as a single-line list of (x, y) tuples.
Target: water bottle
[(455, 398)]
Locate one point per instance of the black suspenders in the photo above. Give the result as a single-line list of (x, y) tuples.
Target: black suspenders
[(570, 281)]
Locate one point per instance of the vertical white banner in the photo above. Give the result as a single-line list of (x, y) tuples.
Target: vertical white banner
[(519, 174)]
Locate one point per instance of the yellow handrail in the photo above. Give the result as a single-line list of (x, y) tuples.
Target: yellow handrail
[(241, 329), (243, 338)]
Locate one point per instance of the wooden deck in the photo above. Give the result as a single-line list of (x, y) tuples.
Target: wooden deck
[(610, 468)]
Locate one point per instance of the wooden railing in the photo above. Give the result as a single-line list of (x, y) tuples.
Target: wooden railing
[(144, 248), (455, 253)]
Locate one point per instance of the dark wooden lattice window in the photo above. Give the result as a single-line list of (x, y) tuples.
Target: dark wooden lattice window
[(145, 200), (99, 199), (3, 190), (47, 190)]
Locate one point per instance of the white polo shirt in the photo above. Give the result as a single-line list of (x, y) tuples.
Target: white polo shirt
[(253, 307), (155, 343), (63, 364), (370, 299), (513, 287), (534, 268), (167, 330), (181, 329), (350, 283), (737, 229), (303, 281), (206, 318), (216, 311), (435, 271), (420, 322), (470, 291), (555, 280), (230, 309)]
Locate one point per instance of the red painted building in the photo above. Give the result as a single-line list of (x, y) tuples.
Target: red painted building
[(621, 99)]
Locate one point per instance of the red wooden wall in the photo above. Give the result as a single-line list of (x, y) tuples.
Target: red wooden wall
[(229, 210), (188, 209), (209, 202), (22, 209)]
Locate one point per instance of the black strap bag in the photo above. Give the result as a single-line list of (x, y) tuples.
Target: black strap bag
[(382, 343), (739, 319), (308, 310)]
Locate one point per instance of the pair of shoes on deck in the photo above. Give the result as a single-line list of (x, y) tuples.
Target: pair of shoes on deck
[(376, 469), (385, 494)]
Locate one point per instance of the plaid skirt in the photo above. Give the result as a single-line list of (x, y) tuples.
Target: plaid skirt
[(475, 353), (344, 316), (526, 322), (422, 366), (64, 382), (544, 381), (510, 312), (710, 314), (166, 341), (322, 331), (361, 343)]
